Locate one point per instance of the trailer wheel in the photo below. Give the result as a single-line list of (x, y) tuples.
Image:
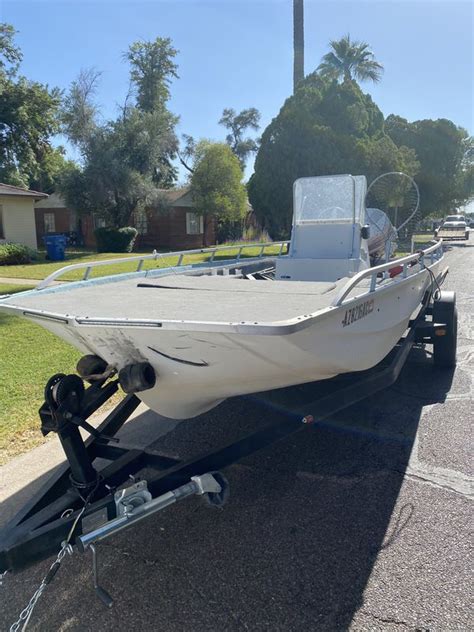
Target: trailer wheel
[(445, 345), (218, 499)]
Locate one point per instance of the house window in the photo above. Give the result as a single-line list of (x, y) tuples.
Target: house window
[(141, 221), (2, 232), (194, 224), (49, 223), (99, 222)]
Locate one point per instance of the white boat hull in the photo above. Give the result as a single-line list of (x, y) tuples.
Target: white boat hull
[(197, 369)]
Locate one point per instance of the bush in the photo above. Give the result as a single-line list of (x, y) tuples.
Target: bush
[(229, 230), (11, 254), (115, 239)]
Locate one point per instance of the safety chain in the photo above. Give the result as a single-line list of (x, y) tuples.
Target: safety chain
[(66, 547), (53, 569)]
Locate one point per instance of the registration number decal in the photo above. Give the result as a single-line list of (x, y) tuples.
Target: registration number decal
[(358, 312)]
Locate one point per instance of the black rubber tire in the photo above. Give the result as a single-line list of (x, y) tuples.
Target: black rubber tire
[(444, 347), (90, 365), (218, 499)]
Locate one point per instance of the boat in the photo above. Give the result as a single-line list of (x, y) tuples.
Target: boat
[(186, 337)]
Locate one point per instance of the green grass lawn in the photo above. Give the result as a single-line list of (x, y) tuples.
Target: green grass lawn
[(29, 355), (12, 288), (42, 268)]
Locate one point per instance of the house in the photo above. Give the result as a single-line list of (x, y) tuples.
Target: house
[(179, 227), (17, 214), (176, 227), (53, 216)]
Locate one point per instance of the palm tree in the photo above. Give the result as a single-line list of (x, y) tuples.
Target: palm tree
[(350, 60), (298, 42)]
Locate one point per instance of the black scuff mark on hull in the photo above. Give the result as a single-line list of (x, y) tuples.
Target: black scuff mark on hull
[(180, 360)]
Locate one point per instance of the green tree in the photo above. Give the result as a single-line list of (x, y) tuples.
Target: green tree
[(216, 184), (28, 120), (152, 70), (124, 162), (445, 176), (79, 109), (349, 60), (10, 55), (51, 170), (238, 124), (325, 128)]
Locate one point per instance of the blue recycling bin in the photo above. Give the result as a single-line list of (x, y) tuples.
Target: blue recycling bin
[(55, 246)]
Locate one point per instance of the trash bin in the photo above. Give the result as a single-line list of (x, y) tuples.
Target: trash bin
[(55, 246)]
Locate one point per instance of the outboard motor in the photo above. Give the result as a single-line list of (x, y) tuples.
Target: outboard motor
[(383, 236)]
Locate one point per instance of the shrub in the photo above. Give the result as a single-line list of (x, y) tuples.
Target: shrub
[(11, 254), (115, 239)]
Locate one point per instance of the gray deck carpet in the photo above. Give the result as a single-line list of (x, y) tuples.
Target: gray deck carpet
[(197, 298)]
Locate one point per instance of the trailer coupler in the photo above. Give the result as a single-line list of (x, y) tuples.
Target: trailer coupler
[(135, 503)]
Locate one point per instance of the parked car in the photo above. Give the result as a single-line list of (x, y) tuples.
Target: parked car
[(454, 227)]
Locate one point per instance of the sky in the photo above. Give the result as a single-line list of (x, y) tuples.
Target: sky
[(239, 54)]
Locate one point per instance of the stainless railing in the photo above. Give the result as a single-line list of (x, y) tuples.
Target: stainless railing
[(88, 266), (433, 254)]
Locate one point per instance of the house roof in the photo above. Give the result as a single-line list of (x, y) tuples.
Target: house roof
[(53, 201), (178, 197), (8, 189)]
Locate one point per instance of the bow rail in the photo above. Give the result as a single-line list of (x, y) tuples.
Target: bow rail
[(88, 266)]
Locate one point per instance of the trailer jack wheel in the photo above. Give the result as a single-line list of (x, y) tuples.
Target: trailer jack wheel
[(445, 338)]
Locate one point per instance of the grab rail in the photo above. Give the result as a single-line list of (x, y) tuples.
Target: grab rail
[(435, 253), (159, 255)]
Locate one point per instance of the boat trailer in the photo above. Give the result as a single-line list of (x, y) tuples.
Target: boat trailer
[(81, 504)]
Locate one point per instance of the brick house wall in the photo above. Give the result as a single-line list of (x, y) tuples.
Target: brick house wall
[(160, 230), (169, 231), (62, 221)]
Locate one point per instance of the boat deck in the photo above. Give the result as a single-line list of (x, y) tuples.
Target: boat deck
[(184, 297)]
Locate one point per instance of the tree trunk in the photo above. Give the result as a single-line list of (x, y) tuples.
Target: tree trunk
[(298, 42)]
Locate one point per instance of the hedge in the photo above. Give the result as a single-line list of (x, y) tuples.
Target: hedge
[(115, 239), (12, 254)]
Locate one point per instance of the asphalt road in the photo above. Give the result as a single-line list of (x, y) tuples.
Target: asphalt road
[(360, 523)]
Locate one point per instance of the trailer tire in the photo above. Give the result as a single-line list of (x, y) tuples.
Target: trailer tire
[(444, 346), (218, 499)]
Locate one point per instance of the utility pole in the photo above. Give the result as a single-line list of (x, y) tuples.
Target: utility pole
[(298, 42)]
